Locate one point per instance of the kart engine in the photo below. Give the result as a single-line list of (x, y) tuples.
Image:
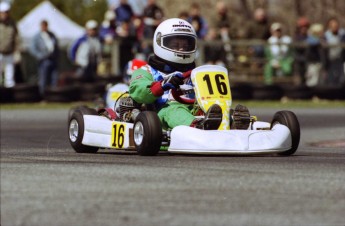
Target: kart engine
[(128, 109)]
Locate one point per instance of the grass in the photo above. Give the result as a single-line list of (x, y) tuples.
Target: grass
[(42, 105), (313, 103)]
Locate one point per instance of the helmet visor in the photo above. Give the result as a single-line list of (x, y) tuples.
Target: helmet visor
[(179, 43)]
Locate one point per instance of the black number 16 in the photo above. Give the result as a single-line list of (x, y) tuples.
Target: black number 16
[(118, 135), (221, 85)]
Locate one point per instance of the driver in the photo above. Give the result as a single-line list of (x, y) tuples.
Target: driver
[(174, 46)]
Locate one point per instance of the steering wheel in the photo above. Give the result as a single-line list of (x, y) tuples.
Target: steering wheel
[(178, 95)]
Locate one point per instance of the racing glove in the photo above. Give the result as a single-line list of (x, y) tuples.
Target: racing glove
[(173, 81)]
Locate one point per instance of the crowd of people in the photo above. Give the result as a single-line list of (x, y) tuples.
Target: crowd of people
[(315, 51)]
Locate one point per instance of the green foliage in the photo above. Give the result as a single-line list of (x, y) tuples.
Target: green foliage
[(77, 10)]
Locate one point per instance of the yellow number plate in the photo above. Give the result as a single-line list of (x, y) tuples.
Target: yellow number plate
[(213, 87), (118, 133)]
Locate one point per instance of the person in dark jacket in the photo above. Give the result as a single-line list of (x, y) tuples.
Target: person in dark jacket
[(300, 50), (153, 16), (45, 49), (259, 30), (124, 12)]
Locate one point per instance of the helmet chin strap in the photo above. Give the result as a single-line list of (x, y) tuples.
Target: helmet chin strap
[(168, 67)]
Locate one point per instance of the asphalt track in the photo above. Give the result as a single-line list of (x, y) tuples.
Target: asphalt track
[(44, 182)]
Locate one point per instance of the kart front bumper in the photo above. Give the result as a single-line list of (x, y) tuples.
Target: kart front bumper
[(189, 140)]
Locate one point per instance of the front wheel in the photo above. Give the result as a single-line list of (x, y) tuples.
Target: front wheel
[(290, 120), (147, 133), (76, 133)]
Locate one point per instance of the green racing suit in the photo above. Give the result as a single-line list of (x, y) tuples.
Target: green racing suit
[(145, 87)]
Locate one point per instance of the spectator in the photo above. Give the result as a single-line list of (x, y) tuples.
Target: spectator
[(45, 49), (183, 15), (107, 34), (222, 22), (126, 33), (300, 49), (314, 55), (258, 29), (124, 12), (278, 54), (85, 52), (107, 31), (9, 44), (197, 21), (214, 51), (334, 36), (153, 15), (224, 28)]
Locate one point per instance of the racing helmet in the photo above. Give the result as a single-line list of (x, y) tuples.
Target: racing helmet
[(175, 41)]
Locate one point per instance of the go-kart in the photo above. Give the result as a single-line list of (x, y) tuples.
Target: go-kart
[(133, 126)]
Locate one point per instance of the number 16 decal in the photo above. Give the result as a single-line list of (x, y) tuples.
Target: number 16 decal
[(220, 84), (118, 137)]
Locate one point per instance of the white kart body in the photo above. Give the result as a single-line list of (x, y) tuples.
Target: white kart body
[(213, 87), (101, 132), (259, 138), (189, 140)]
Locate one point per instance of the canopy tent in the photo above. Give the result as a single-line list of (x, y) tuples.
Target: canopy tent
[(64, 28)]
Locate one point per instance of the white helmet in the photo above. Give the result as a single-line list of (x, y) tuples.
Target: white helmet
[(175, 41)]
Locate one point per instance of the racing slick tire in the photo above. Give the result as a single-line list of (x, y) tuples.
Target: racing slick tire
[(148, 133), (290, 120), (26, 93), (63, 94), (267, 92), (76, 133), (85, 110)]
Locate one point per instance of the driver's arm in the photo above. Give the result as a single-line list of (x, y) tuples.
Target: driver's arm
[(140, 88)]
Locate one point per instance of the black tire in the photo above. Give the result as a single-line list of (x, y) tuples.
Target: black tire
[(330, 92), (297, 92), (290, 120), (267, 92), (85, 110), (26, 93), (147, 133), (91, 91), (6, 95), (76, 134), (62, 94), (241, 91)]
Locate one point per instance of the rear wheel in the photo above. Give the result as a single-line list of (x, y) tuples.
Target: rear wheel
[(76, 133), (147, 133), (85, 110), (290, 120)]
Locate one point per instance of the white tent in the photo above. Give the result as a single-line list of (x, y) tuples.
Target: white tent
[(64, 28)]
